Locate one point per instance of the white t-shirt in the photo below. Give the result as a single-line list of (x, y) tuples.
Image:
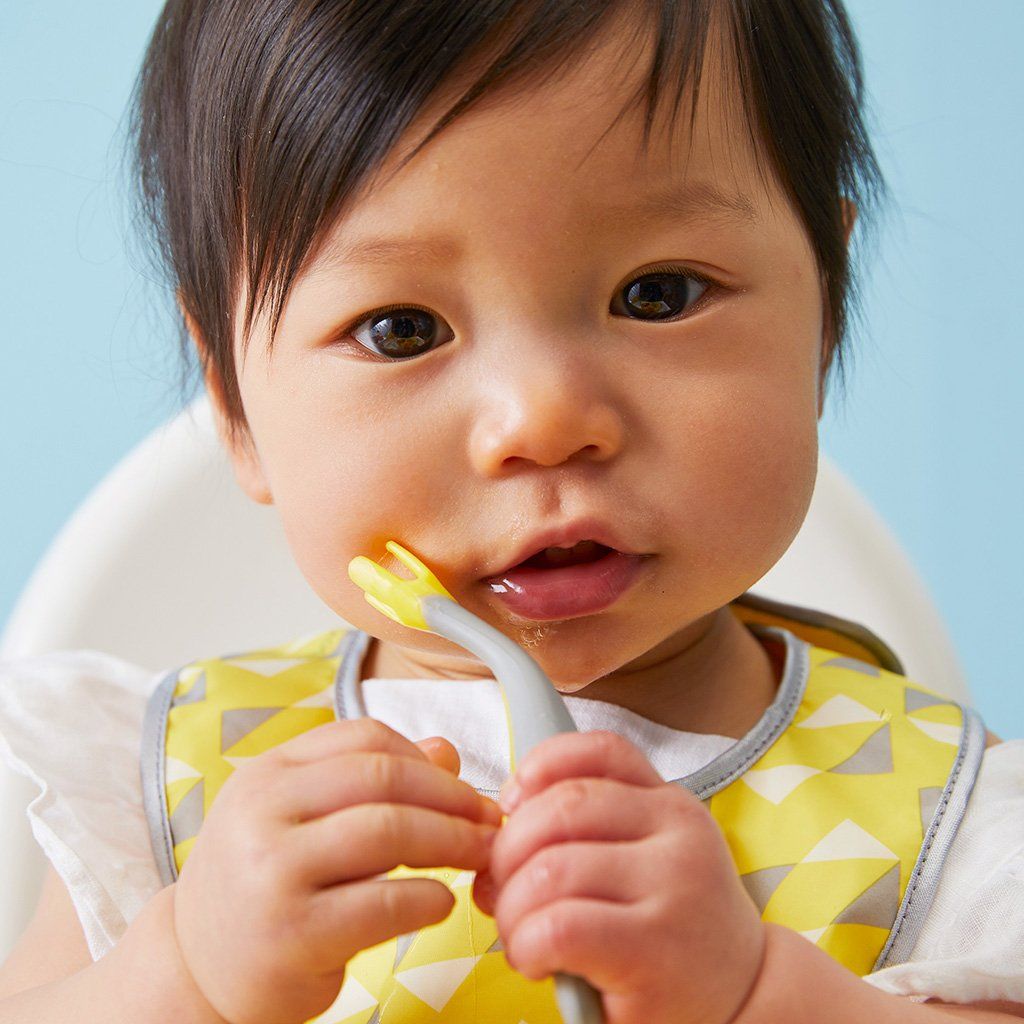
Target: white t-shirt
[(72, 721)]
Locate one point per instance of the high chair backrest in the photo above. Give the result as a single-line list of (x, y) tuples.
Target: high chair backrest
[(167, 560)]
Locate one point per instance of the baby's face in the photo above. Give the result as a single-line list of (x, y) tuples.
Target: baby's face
[(536, 384)]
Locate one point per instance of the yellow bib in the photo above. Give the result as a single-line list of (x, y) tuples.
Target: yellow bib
[(839, 806)]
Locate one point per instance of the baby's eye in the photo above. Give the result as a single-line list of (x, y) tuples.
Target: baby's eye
[(662, 293), (397, 331), (403, 332)]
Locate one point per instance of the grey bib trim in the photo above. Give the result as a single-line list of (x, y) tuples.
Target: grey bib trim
[(348, 698), (734, 762), (152, 766), (949, 812), (880, 650)]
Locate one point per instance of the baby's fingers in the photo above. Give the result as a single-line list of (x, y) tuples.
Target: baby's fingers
[(442, 753), (374, 910), (577, 810), (312, 790), (597, 754), (370, 839), (344, 737)]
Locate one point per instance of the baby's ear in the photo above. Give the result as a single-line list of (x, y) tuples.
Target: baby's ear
[(237, 441)]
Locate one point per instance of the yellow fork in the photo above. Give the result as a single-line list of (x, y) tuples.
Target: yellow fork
[(399, 599)]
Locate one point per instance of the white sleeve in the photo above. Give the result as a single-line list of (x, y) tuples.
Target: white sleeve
[(971, 947), (71, 721)]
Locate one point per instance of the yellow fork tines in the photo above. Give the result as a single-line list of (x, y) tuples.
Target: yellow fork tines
[(397, 598)]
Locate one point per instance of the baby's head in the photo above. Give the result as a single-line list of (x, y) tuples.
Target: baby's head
[(584, 298)]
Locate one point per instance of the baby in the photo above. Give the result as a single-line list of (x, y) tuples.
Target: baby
[(570, 344)]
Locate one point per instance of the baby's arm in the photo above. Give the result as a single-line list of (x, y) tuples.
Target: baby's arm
[(800, 984), (290, 854), (142, 979)]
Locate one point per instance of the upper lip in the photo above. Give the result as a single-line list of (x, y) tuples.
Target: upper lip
[(565, 535)]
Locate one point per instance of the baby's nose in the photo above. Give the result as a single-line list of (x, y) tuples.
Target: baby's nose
[(546, 423)]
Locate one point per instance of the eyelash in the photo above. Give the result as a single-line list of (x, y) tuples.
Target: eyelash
[(661, 268)]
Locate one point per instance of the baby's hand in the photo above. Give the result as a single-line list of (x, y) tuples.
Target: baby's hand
[(606, 871), (280, 891)]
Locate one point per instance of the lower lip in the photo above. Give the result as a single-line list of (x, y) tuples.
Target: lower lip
[(567, 592)]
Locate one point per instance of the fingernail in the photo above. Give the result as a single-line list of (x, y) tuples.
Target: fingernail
[(490, 810), (511, 796)]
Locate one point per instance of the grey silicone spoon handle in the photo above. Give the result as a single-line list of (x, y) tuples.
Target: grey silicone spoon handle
[(535, 711)]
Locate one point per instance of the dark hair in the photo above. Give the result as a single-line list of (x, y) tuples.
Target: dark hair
[(253, 122)]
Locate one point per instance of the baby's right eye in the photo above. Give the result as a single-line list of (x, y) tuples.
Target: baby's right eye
[(399, 332)]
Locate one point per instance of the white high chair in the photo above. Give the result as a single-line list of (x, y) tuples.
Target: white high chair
[(167, 560)]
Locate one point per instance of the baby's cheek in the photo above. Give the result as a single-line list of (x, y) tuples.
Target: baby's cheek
[(743, 493)]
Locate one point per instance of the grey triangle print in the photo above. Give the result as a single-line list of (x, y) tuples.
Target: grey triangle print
[(187, 818), (878, 904), (195, 694), (236, 724), (915, 700), (762, 884), (497, 946), (855, 664), (874, 757)]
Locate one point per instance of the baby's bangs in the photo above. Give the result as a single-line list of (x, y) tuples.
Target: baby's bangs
[(346, 83)]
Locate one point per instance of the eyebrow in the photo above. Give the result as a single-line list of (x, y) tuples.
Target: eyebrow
[(687, 203)]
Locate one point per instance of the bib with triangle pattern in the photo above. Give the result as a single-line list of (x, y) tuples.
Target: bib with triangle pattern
[(839, 805)]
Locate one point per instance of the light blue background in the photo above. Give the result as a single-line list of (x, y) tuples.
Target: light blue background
[(932, 428)]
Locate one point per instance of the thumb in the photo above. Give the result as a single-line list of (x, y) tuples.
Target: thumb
[(441, 752)]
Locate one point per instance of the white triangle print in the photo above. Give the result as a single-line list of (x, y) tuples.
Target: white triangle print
[(848, 841), (176, 770), (841, 710), (813, 934), (321, 699), (436, 983), (462, 878), (937, 731), (268, 667), (775, 784), (353, 998)]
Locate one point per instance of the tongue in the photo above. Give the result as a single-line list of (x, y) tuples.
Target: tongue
[(557, 558)]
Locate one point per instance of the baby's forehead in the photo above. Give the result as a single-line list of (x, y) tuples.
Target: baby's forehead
[(554, 160), (593, 114)]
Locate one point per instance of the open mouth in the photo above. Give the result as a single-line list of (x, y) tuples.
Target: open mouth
[(558, 558), (563, 583)]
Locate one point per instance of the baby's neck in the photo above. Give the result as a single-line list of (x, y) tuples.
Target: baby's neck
[(719, 682)]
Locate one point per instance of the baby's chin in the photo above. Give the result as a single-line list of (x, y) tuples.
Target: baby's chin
[(573, 653), (569, 658)]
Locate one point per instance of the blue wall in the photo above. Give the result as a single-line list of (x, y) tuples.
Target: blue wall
[(931, 430)]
